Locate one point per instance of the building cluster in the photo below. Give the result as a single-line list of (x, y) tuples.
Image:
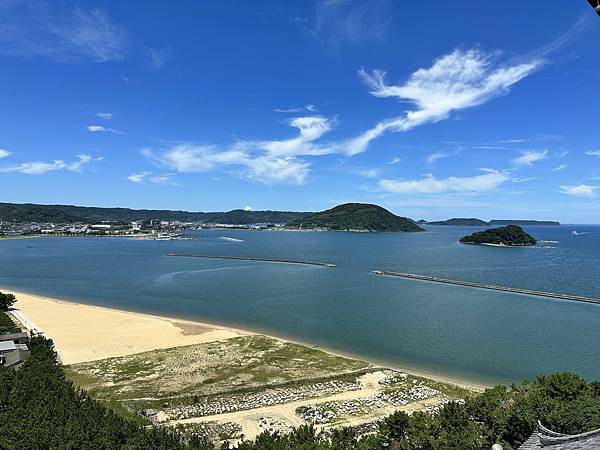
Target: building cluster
[(13, 349), (115, 228)]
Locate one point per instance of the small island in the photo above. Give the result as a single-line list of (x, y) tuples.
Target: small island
[(355, 217), (509, 236)]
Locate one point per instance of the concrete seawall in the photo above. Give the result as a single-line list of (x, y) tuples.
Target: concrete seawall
[(557, 295), (244, 258)]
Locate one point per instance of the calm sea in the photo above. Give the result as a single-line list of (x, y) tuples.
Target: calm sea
[(452, 331)]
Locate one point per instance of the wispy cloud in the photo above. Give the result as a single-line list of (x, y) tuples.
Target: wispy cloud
[(4, 153), (456, 81), (338, 22), (560, 168), (102, 129), (308, 108), (579, 190), (156, 56), (431, 185), (528, 158), (105, 115), (432, 158), (593, 153), (395, 160), (32, 29), (310, 129), (265, 168), (138, 177), (41, 167)]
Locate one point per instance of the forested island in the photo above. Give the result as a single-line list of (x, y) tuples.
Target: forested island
[(355, 217), (551, 223), (460, 221), (473, 222), (508, 236)]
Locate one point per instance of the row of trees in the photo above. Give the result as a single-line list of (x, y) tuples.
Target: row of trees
[(40, 408)]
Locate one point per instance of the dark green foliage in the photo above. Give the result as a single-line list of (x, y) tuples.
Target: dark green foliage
[(459, 221), (39, 408), (511, 235), (7, 325), (6, 301), (356, 216), (13, 212)]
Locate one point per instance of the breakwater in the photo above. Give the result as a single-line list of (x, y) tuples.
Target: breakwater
[(557, 295), (248, 258)]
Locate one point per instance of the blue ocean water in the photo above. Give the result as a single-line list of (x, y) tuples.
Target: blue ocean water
[(451, 331)]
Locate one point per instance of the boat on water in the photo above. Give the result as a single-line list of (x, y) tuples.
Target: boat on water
[(230, 239), (574, 233), (165, 237)]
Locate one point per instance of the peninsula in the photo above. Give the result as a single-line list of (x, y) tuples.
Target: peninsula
[(508, 236), (355, 217)]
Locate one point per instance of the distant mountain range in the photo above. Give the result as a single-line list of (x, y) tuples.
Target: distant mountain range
[(481, 223), (21, 213), (355, 217)]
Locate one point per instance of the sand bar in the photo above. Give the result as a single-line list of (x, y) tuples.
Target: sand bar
[(86, 333)]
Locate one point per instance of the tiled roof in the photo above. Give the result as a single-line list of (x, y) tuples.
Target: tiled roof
[(544, 438)]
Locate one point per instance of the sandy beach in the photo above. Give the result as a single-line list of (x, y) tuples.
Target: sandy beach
[(86, 333)]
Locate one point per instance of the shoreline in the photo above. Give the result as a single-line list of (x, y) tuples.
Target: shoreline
[(179, 332)]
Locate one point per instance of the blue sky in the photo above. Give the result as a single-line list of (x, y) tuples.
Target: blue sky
[(432, 110)]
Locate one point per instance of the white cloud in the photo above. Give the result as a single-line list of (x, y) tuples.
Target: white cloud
[(529, 157), (431, 185), (105, 115), (4, 153), (579, 190), (157, 56), (560, 168), (247, 208), (34, 29), (83, 160), (138, 177), (40, 167), (593, 153), (456, 81), (338, 22), (102, 129), (310, 108), (431, 159), (269, 170), (310, 128), (395, 160)]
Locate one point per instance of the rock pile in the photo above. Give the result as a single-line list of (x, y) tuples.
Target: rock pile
[(272, 424), (256, 400)]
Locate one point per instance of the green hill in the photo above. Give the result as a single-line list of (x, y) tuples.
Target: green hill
[(511, 236), (27, 212), (356, 217), (460, 221)]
